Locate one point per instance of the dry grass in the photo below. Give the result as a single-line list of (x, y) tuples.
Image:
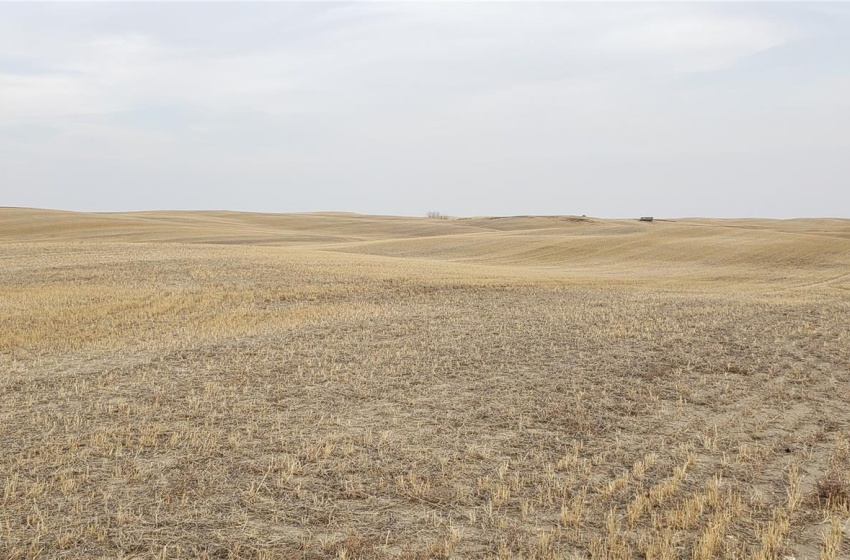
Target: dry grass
[(220, 385)]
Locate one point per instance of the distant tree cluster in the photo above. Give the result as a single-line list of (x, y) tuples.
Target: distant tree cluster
[(437, 215)]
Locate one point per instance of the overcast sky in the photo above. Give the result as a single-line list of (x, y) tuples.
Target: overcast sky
[(398, 108)]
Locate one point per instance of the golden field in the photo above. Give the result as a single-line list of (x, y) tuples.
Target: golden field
[(234, 385)]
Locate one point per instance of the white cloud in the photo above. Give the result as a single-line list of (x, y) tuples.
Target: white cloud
[(448, 98), (374, 50), (690, 38)]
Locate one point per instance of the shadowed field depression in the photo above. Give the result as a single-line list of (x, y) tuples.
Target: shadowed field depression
[(228, 385)]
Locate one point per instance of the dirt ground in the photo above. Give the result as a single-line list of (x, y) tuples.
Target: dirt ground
[(224, 385)]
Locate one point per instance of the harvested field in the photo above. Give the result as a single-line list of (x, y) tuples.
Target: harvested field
[(233, 385)]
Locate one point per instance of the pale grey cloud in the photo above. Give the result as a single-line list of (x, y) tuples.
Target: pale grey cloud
[(602, 109)]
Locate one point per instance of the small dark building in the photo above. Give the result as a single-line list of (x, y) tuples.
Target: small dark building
[(646, 218)]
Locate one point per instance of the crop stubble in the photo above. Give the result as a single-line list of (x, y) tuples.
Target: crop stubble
[(332, 399)]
